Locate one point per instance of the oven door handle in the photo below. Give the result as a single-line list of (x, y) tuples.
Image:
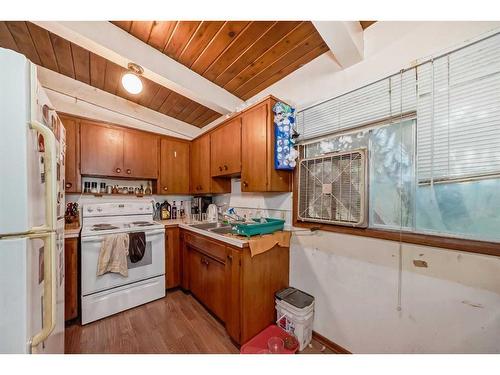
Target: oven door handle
[(149, 234)]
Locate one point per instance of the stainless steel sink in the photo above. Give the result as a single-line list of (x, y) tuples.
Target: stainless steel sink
[(221, 230), (206, 226)]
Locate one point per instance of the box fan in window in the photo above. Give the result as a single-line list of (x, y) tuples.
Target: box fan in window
[(333, 189)]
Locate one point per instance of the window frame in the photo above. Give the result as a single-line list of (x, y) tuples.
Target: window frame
[(418, 238)]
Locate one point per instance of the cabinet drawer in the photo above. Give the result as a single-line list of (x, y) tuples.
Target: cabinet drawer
[(208, 247)]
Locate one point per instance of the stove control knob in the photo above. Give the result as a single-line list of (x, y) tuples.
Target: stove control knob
[(148, 208), (99, 209), (141, 208), (90, 209)]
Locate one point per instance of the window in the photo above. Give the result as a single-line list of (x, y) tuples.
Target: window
[(432, 136)]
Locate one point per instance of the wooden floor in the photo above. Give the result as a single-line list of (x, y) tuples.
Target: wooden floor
[(174, 324)]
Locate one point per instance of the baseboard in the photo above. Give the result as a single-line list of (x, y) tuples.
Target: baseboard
[(336, 348)]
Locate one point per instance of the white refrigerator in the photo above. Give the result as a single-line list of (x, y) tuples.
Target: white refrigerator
[(32, 151)]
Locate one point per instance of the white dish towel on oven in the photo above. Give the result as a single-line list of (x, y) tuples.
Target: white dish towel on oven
[(113, 255)]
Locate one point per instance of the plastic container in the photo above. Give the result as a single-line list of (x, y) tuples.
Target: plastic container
[(295, 314), (259, 344), (270, 226)]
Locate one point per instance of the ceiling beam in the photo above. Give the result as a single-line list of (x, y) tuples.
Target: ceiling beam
[(114, 44), (78, 98), (345, 40)]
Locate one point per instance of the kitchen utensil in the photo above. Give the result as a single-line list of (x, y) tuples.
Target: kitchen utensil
[(275, 345)]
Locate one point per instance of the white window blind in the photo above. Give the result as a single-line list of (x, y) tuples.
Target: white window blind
[(458, 114), (377, 101)]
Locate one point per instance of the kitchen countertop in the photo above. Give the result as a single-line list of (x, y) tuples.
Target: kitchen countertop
[(174, 222), (230, 239)]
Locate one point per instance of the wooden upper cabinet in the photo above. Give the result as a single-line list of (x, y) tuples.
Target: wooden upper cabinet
[(257, 152), (254, 149), (72, 159), (225, 144), (101, 150), (111, 151), (174, 167), (201, 180), (200, 165), (140, 155)]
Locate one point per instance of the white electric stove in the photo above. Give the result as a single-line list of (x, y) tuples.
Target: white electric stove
[(111, 293)]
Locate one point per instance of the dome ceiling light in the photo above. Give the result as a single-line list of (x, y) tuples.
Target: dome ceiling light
[(131, 81)]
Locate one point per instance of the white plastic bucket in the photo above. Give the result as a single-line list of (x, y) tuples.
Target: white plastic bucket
[(295, 321)]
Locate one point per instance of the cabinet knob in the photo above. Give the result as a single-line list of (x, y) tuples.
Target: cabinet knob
[(68, 185), (220, 168), (230, 258), (129, 171), (118, 170), (165, 188), (245, 183), (225, 167)]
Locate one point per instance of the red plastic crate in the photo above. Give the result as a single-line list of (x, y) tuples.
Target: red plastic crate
[(259, 343)]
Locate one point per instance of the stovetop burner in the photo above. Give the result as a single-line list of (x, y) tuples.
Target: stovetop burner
[(98, 227), (143, 223)]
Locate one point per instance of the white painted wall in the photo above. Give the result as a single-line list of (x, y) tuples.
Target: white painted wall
[(453, 305)]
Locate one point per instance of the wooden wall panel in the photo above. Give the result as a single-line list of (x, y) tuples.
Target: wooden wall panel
[(233, 52), (57, 54)]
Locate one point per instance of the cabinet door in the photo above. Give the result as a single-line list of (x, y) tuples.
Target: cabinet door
[(101, 150), (215, 282), (200, 165), (225, 144), (140, 155), (197, 274), (174, 167), (233, 285), (70, 278), (72, 162), (172, 258), (254, 149)]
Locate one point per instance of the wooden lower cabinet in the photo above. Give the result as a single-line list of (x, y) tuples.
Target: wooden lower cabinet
[(237, 288), (172, 258), (70, 278)]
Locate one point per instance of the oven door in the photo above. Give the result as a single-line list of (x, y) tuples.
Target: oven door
[(151, 265)]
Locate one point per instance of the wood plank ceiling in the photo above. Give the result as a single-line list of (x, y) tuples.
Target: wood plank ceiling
[(243, 57), (55, 53)]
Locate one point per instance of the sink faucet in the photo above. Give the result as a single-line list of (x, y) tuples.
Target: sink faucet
[(231, 215)]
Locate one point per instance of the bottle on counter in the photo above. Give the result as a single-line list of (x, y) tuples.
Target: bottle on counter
[(181, 211), (174, 211), (165, 211), (148, 190)]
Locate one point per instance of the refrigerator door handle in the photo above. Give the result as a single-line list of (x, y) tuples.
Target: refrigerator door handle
[(50, 176), (49, 289)]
